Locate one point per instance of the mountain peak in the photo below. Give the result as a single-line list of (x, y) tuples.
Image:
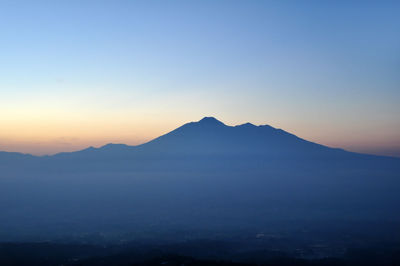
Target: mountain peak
[(246, 125), (209, 120)]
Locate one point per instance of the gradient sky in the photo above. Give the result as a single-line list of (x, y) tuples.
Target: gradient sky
[(85, 73)]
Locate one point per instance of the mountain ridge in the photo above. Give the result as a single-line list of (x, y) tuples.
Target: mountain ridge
[(201, 176), (207, 127)]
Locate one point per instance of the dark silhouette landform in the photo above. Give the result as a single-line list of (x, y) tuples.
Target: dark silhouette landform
[(202, 180)]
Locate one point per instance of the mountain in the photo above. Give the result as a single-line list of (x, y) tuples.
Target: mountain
[(211, 143), (204, 176), (210, 137)]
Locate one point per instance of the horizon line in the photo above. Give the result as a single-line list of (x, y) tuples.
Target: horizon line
[(205, 119)]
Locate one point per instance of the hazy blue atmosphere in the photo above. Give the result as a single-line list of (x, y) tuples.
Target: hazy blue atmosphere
[(85, 73), (256, 194), (200, 133)]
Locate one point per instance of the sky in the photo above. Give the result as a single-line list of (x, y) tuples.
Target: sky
[(75, 74)]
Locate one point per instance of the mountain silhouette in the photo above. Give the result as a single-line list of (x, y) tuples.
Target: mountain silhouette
[(210, 136), (201, 176)]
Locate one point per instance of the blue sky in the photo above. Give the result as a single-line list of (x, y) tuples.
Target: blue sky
[(81, 73)]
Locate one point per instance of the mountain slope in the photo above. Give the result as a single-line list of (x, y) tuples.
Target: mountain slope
[(212, 137), (202, 176)]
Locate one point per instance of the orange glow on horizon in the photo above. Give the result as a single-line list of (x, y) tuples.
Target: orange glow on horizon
[(41, 137)]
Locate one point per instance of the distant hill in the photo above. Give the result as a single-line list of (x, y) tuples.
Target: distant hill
[(204, 176), (212, 137)]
